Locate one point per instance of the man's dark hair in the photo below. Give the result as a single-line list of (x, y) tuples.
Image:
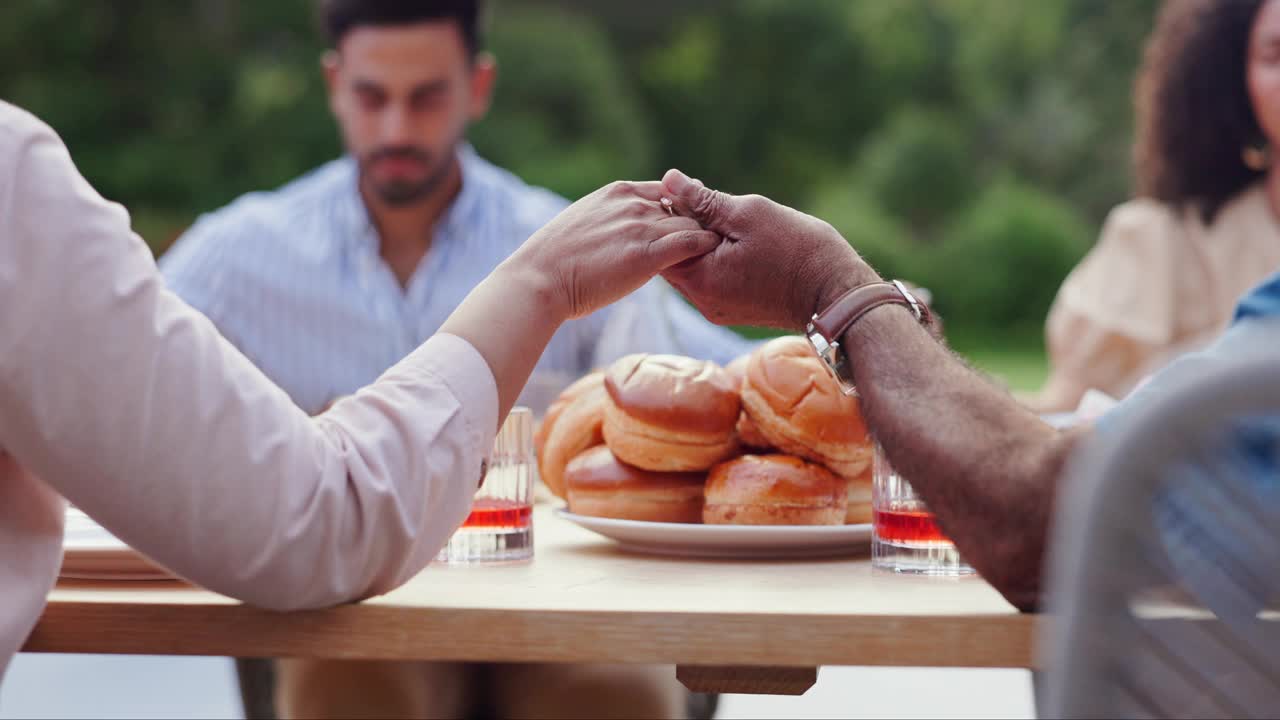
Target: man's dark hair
[(338, 17), (1194, 113)]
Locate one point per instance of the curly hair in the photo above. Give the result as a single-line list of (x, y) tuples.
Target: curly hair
[(1194, 114)]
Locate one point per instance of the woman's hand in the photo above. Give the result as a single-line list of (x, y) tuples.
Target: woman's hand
[(596, 251), (607, 245)]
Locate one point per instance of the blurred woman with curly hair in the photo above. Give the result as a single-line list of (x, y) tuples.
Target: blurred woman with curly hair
[(1169, 266)]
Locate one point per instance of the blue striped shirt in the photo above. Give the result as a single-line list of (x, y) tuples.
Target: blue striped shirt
[(294, 278)]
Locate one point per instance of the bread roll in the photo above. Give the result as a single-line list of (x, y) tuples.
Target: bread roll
[(774, 490), (575, 427), (750, 435), (858, 508), (670, 414), (737, 369), (568, 395), (799, 408), (601, 485)]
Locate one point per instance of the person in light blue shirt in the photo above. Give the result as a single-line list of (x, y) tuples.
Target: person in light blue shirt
[(297, 279), (328, 281)]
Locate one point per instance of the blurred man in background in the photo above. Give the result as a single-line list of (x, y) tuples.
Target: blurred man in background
[(331, 279)]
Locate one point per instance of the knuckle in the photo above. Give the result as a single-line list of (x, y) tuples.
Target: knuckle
[(635, 227), (620, 188), (710, 204), (829, 231), (681, 223), (755, 204)]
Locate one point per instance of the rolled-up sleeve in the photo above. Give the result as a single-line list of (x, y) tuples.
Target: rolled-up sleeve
[(130, 404)]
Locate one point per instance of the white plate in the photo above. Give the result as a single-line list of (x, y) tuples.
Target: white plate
[(90, 552), (728, 541)]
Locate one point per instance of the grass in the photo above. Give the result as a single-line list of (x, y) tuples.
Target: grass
[(1014, 358), (1020, 368)]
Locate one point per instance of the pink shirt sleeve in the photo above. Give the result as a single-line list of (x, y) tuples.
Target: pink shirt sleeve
[(128, 402)]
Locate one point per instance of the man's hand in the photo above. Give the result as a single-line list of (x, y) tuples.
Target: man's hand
[(607, 245), (776, 267), (986, 466)]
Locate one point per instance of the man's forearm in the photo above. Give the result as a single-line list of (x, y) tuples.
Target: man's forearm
[(985, 465)]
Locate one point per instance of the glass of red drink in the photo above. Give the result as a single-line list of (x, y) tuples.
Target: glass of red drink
[(500, 526), (905, 536)]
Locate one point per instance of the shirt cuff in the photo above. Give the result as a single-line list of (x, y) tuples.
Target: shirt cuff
[(466, 373)]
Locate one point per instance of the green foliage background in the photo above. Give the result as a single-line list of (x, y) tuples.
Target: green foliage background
[(973, 146)]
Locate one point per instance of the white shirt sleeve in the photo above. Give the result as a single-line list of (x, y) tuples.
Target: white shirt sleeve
[(129, 403)]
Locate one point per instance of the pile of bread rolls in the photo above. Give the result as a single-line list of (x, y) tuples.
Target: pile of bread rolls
[(767, 440)]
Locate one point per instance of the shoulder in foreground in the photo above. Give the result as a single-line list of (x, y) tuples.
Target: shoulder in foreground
[(18, 128), (1263, 301), (18, 124)]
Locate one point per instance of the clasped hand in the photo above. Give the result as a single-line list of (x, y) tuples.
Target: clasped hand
[(741, 260)]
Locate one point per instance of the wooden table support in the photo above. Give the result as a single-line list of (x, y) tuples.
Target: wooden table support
[(749, 680)]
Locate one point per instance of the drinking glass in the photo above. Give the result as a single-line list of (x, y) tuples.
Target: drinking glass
[(905, 534), (500, 526)]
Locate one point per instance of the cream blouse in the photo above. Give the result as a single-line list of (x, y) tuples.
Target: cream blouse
[(1159, 283)]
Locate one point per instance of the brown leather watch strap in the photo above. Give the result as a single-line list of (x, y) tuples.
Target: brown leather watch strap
[(845, 311)]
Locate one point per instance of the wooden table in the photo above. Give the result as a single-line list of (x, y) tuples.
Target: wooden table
[(740, 626)]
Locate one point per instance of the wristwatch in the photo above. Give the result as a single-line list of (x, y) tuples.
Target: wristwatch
[(826, 328)]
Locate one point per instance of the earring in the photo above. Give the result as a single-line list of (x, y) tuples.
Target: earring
[(1256, 157)]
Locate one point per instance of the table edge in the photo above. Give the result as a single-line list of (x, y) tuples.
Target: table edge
[(391, 632)]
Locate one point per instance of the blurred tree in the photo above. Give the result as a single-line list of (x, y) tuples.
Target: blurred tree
[(919, 167), (877, 235), (168, 107), (910, 48), (766, 96), (1000, 264), (564, 115), (928, 131)]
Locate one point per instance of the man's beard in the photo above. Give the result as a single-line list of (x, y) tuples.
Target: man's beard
[(398, 193)]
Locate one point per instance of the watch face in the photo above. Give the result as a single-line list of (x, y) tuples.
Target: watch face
[(832, 359), (820, 345)]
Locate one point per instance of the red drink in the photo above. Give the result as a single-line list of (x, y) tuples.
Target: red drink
[(500, 525), (908, 527), (906, 536), (491, 513)]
